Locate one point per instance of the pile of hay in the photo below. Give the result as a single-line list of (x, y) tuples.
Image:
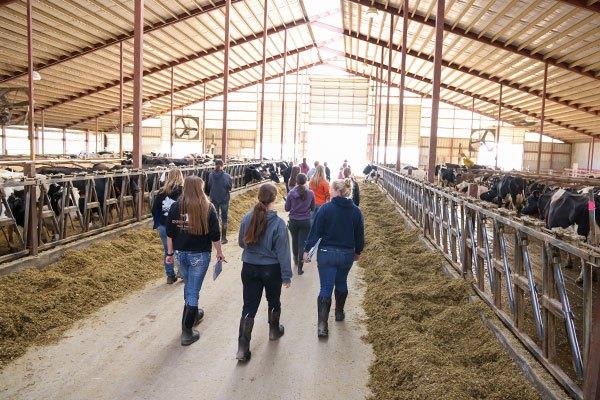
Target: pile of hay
[(37, 306), (429, 341)]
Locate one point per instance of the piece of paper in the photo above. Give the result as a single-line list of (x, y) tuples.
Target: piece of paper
[(217, 268), (314, 249)]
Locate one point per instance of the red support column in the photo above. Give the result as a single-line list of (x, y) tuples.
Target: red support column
[(225, 81), (32, 224), (539, 160), (36, 138), (96, 138), (380, 78), (389, 86), (498, 127), (138, 70), (375, 119), (87, 141), (204, 116), (402, 83), (592, 154), (121, 99), (4, 151), (64, 141), (43, 136), (296, 106), (283, 90), (171, 119), (437, 79), (263, 75)]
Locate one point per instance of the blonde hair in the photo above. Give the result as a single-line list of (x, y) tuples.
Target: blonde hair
[(318, 176), (195, 204), (343, 187), (174, 179)]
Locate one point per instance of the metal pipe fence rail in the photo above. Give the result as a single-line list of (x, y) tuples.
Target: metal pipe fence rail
[(496, 253), (86, 204)]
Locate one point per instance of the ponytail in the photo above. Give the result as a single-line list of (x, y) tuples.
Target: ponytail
[(301, 182), (343, 187), (258, 223)]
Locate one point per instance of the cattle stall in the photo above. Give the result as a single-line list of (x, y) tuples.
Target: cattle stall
[(495, 251)]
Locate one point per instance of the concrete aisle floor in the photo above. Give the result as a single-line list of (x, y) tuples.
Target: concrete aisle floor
[(130, 349)]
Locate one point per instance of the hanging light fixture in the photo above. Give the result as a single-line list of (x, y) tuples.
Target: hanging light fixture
[(37, 76), (372, 12), (147, 104)]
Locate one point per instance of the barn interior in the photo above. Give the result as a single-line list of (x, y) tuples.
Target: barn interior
[(433, 104)]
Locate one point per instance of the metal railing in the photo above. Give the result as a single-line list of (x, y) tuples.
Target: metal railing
[(108, 201), (516, 266)]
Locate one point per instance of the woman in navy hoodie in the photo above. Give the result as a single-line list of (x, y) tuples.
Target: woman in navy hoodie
[(340, 226), (299, 202)]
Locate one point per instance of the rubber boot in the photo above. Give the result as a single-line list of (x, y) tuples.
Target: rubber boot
[(300, 266), (188, 334), (340, 300), (246, 325), (224, 234), (275, 329), (199, 316), (323, 307)]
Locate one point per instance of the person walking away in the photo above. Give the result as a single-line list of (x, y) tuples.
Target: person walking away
[(327, 171), (286, 173), (293, 177), (320, 187), (192, 231), (340, 226), (220, 183), (299, 203), (161, 205), (312, 171), (304, 166), (342, 168), (266, 264), (355, 188)]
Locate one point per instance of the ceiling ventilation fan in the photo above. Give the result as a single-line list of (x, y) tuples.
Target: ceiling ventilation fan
[(485, 137), (12, 111), (186, 128)]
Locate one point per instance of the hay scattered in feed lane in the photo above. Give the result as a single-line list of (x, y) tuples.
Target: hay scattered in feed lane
[(428, 340), (38, 306)]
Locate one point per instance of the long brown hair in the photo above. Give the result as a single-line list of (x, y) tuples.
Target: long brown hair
[(258, 224), (174, 179), (195, 204), (318, 176), (294, 176), (301, 180)]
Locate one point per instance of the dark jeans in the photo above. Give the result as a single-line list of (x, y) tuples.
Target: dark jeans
[(334, 265), (299, 228), (222, 211), (255, 278)]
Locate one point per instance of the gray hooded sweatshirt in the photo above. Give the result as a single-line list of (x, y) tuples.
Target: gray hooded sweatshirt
[(272, 248)]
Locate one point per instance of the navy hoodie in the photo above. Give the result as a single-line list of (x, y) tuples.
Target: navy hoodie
[(340, 224)]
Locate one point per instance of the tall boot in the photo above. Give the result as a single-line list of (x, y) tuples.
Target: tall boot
[(224, 234), (275, 329), (199, 316), (188, 334), (323, 307), (300, 266), (246, 325), (340, 300)]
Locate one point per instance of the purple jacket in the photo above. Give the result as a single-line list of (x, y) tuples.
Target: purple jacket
[(299, 209)]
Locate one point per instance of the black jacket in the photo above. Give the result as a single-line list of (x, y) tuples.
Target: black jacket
[(355, 193), (185, 241), (162, 204)]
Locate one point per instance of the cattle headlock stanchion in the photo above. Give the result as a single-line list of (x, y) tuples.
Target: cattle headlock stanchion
[(501, 253)]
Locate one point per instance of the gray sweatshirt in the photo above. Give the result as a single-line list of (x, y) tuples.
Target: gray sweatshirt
[(273, 247), (219, 184)]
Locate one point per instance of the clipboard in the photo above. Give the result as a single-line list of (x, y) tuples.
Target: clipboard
[(217, 269), (313, 250)]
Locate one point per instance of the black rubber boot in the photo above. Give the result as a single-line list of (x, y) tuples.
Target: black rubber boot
[(224, 234), (189, 335), (171, 280), (275, 329), (199, 316), (323, 307), (300, 266), (340, 300), (246, 325)]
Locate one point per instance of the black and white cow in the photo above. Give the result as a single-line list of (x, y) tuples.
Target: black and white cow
[(371, 173), (508, 191)]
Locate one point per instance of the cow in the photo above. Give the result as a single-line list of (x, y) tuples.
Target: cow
[(448, 174), (508, 191), (371, 173), (413, 172), (251, 174), (464, 188)]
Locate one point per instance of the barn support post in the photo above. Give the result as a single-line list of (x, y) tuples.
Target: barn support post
[(592, 154), (402, 83), (225, 80), (36, 138), (380, 102), (591, 385), (32, 210), (97, 134), (87, 141), (435, 96), (43, 135), (375, 119), (472, 120), (4, 151), (285, 36), (171, 116), (296, 107), (389, 86), (498, 122), (542, 117), (138, 70), (120, 99), (262, 82), (204, 116), (64, 141), (551, 155)]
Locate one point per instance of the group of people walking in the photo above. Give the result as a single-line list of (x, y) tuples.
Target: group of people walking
[(324, 218)]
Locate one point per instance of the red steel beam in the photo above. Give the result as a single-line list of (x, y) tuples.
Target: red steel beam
[(43, 132), (402, 85), (478, 37), (138, 64), (32, 223), (263, 72), (296, 107), (225, 80), (437, 80), (121, 99), (539, 160), (171, 115), (389, 87), (476, 73), (4, 152), (121, 38), (476, 96), (380, 69), (64, 141), (285, 36), (204, 118), (498, 127)]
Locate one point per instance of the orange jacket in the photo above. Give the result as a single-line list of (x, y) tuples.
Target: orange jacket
[(321, 192)]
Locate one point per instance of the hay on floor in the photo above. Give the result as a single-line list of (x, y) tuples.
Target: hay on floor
[(428, 339)]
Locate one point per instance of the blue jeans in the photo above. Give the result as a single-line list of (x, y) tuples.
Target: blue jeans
[(334, 265), (223, 210), (162, 232), (193, 266)]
